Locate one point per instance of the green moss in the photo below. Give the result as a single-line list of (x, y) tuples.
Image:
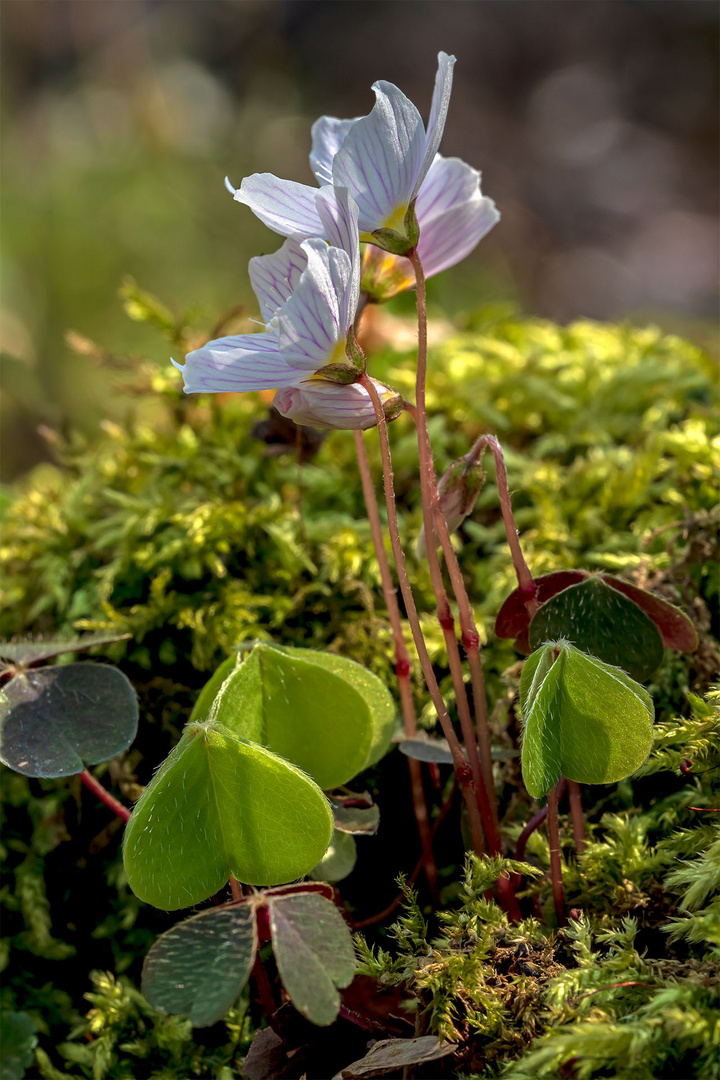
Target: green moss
[(178, 529)]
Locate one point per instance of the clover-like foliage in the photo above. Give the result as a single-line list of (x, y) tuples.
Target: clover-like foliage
[(583, 719), (222, 805), (55, 720), (200, 966)]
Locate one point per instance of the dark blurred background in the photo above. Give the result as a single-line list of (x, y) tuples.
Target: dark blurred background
[(594, 123)]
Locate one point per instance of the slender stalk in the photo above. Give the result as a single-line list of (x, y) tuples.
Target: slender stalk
[(435, 524), (526, 583), (236, 888), (553, 829), (402, 662), (577, 816), (104, 796), (460, 762)]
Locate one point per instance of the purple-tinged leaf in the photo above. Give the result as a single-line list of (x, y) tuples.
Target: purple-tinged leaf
[(314, 953), (56, 720), (200, 966)]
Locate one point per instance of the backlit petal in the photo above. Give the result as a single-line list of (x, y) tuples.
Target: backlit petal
[(322, 404), (438, 115), (328, 135), (339, 214), (381, 158), (310, 326), (236, 364), (273, 277), (284, 206), (452, 213)]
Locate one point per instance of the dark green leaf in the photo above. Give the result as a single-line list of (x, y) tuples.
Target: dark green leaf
[(583, 719), (200, 966), (55, 720), (601, 622), (676, 629), (314, 953), (220, 805), (17, 1044)]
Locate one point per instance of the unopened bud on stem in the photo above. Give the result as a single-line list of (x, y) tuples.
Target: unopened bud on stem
[(458, 490)]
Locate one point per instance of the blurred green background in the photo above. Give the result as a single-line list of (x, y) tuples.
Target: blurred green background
[(594, 122)]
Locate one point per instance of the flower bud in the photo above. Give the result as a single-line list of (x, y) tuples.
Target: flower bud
[(322, 404), (458, 490)]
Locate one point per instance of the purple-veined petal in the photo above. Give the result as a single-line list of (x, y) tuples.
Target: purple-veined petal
[(438, 115), (284, 206), (310, 329), (339, 214), (273, 277), (328, 134), (323, 404), (452, 213), (381, 157), (236, 364), (449, 238)]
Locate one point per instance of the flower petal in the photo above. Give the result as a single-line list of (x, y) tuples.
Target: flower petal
[(322, 404), (236, 364), (339, 214), (328, 135), (284, 206), (452, 213), (381, 157), (438, 115), (273, 277), (311, 325)]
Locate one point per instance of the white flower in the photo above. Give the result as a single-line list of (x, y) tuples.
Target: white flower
[(386, 160), (322, 404), (308, 295)]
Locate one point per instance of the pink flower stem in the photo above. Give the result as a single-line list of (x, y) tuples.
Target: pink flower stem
[(577, 816), (460, 763), (402, 663), (526, 583), (435, 524), (553, 830), (104, 796)]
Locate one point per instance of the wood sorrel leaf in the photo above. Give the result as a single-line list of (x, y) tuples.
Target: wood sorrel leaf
[(339, 859), (374, 692), (55, 720), (220, 805), (300, 710), (314, 953), (676, 629), (583, 719), (602, 622), (30, 652), (355, 813), (200, 966)]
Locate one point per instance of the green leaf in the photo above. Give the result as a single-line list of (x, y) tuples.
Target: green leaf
[(583, 719), (307, 714), (375, 693), (200, 966), (339, 859), (211, 689), (220, 805), (601, 621), (314, 953), (17, 1044), (55, 720)]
